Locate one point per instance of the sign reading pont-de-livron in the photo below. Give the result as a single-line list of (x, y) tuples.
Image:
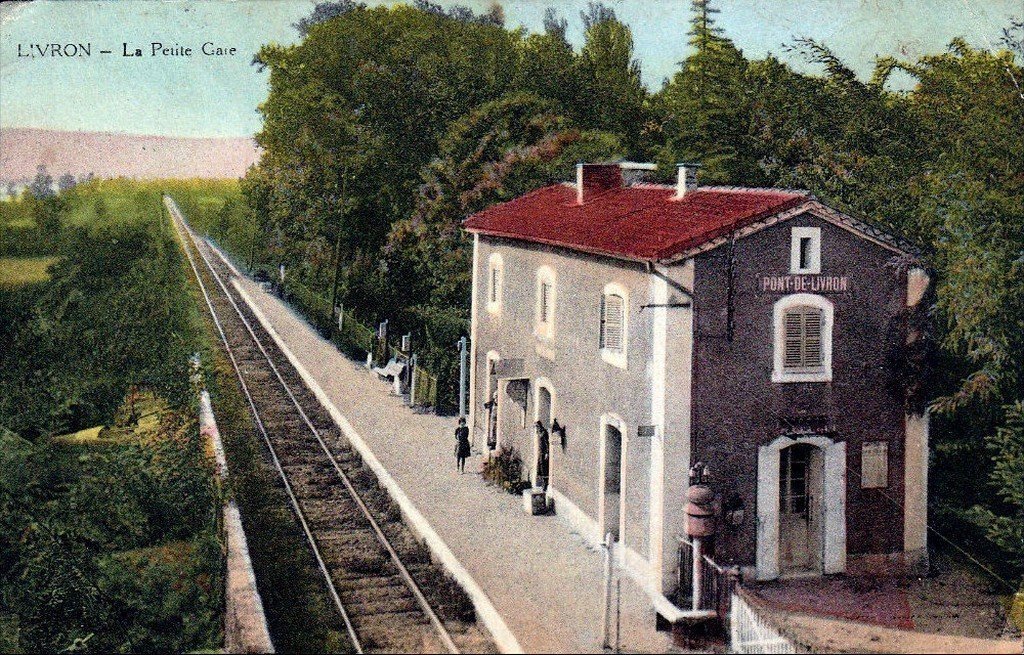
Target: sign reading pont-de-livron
[(804, 283)]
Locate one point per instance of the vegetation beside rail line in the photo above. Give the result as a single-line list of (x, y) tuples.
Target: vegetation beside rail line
[(109, 537)]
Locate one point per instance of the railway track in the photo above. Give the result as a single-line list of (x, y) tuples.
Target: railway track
[(388, 593)]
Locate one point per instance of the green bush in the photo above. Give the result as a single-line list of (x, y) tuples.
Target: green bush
[(111, 547), (505, 470)]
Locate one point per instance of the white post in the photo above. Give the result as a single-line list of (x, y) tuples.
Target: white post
[(462, 376), (412, 382), (341, 316), (697, 572), (618, 614), (606, 606)]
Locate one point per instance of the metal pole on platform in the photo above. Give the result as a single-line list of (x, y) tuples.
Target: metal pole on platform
[(412, 382), (463, 342), (337, 241), (618, 614), (606, 605), (698, 571)]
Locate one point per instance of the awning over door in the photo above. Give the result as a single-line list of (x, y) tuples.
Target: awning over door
[(508, 368)]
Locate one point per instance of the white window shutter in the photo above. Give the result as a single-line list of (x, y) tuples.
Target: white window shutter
[(792, 356), (545, 302), (802, 338), (612, 322)]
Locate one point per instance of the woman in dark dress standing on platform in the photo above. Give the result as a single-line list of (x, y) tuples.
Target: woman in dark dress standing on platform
[(461, 445)]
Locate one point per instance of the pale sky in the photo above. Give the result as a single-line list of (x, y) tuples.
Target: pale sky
[(217, 96)]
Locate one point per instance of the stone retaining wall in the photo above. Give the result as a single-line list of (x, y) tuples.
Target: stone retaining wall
[(245, 623)]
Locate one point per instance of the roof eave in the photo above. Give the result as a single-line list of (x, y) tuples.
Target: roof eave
[(860, 227), (564, 246)]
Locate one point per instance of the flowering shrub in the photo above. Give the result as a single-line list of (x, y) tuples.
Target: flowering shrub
[(505, 470)]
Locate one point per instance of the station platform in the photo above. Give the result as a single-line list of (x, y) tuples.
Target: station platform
[(542, 582)]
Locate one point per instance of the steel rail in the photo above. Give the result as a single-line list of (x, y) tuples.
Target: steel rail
[(410, 582), (321, 564)]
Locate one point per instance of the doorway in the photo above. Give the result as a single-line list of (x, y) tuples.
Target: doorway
[(612, 477), (542, 446), (801, 486), (491, 403), (512, 422)]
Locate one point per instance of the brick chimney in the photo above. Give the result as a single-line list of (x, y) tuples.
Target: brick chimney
[(593, 179), (686, 179)]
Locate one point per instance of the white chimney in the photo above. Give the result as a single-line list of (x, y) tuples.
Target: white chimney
[(686, 179), (579, 183)]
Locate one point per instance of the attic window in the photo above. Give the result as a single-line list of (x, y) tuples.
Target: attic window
[(805, 250)]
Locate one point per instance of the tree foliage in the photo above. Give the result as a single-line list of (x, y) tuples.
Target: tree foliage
[(115, 315)]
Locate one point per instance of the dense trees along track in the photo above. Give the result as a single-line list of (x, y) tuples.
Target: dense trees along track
[(389, 595)]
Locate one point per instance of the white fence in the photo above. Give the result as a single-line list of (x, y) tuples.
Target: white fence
[(749, 633)]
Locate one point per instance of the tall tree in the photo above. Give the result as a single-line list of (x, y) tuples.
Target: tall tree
[(549, 68), (614, 95), (42, 183), (66, 182), (705, 107), (498, 151)]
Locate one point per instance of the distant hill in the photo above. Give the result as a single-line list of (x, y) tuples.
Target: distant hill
[(121, 155)]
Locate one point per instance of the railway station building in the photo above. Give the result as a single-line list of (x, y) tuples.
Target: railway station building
[(623, 331)]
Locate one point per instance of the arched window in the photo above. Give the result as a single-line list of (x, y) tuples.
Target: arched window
[(802, 353), (614, 311), (803, 339), (495, 282)]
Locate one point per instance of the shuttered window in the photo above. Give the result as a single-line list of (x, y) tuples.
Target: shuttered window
[(544, 313), (545, 302), (612, 322), (495, 283), (802, 340), (874, 465)]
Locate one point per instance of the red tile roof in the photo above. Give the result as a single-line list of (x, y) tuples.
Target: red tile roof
[(635, 222)]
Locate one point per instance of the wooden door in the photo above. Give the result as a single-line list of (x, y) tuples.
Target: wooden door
[(795, 535)]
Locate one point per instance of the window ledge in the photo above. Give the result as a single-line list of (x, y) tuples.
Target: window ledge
[(545, 351), (823, 376), (617, 359)]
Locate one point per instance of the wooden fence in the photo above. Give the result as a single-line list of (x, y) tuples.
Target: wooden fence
[(356, 339), (749, 632), (720, 592)]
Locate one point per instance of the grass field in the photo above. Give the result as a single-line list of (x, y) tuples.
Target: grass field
[(19, 271)]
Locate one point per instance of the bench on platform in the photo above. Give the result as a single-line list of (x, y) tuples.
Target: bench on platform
[(392, 369)]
